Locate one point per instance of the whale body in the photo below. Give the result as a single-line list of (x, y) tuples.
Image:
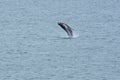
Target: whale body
[(66, 28)]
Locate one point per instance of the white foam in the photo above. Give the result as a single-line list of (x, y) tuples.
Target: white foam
[(65, 36), (75, 34)]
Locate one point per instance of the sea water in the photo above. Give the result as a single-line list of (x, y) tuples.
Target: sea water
[(32, 47)]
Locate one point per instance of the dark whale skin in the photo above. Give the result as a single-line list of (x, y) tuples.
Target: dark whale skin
[(66, 28)]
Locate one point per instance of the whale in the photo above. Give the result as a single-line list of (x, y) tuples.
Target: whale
[(67, 28)]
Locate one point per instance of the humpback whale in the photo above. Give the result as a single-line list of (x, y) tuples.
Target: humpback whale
[(66, 28)]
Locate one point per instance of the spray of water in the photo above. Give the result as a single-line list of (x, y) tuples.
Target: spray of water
[(75, 35)]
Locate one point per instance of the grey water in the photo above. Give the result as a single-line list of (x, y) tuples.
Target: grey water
[(34, 47)]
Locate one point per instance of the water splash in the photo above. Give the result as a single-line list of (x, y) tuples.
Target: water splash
[(65, 36), (75, 34)]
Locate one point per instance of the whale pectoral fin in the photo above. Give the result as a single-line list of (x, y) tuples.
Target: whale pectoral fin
[(67, 28)]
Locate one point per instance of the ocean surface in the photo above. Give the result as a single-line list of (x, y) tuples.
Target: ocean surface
[(34, 47)]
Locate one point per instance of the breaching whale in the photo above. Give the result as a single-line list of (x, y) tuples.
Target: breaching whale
[(66, 28)]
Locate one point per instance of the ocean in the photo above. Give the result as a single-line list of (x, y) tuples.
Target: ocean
[(34, 47)]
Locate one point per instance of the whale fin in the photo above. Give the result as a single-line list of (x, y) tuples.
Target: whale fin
[(67, 28)]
